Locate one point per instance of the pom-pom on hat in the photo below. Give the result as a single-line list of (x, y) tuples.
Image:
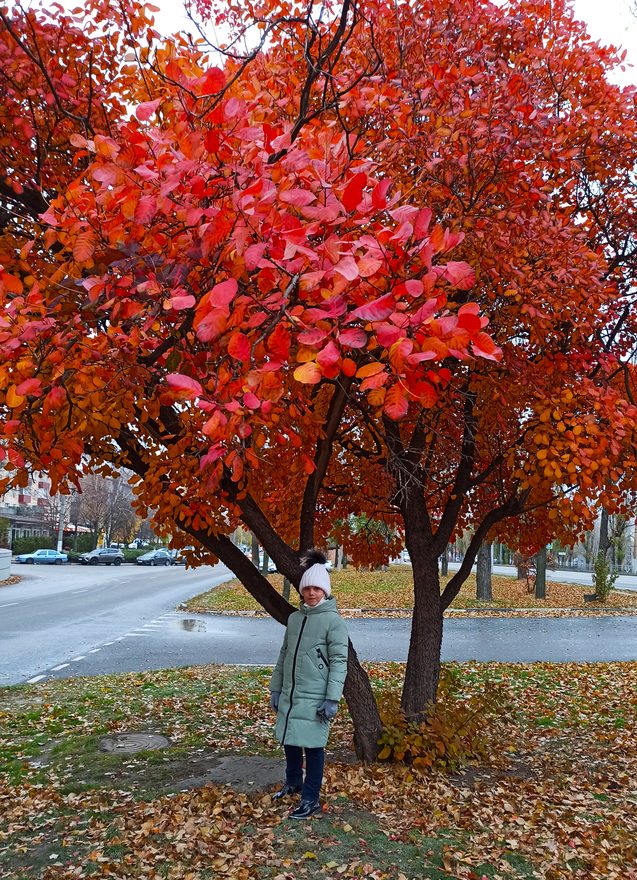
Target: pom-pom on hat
[(315, 574)]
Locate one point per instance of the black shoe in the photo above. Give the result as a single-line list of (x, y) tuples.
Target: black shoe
[(306, 809), (285, 791)]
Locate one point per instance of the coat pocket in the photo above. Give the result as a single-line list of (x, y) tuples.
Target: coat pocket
[(318, 656)]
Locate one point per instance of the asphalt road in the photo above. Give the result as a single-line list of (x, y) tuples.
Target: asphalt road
[(61, 615), (64, 622)]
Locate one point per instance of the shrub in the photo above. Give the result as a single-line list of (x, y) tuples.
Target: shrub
[(454, 731), (4, 531), (131, 555), (603, 578), (32, 543)]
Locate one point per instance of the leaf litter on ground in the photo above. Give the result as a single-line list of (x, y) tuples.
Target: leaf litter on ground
[(390, 593), (556, 797)]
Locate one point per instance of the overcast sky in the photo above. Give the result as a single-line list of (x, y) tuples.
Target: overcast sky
[(609, 21)]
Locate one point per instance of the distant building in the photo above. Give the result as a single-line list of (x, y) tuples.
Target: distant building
[(26, 509)]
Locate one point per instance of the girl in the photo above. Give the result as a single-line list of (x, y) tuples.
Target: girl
[(307, 684)]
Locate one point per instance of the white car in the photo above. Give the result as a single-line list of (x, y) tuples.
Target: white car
[(42, 557)]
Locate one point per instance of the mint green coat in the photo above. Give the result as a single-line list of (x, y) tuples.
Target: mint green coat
[(312, 667)]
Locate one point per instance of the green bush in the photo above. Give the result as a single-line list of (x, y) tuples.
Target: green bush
[(4, 531), (83, 542), (131, 555), (32, 543), (604, 578)]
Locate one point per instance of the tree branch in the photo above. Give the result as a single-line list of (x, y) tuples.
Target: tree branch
[(322, 458)]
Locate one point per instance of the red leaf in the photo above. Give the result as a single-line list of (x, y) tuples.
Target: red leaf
[(353, 192), (485, 347), (251, 400), (211, 325), (297, 197), (460, 274), (421, 223), (375, 381), (354, 338), (348, 268), (387, 334), (379, 194), (329, 355), (29, 386), (146, 209), (377, 310), (213, 80), (179, 303), (396, 404), (145, 111), (239, 346), (185, 386), (222, 294), (426, 393)]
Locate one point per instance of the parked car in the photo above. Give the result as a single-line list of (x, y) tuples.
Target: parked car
[(155, 557), (178, 557), (103, 556), (43, 557)]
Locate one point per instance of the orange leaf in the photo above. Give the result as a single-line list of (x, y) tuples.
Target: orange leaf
[(308, 374)]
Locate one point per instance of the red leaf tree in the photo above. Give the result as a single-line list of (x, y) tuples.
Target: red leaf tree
[(389, 276)]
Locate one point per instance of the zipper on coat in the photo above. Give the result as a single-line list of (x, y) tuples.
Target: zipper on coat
[(323, 657), (296, 651)]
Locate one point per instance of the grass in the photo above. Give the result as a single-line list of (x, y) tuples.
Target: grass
[(553, 797), (393, 589)]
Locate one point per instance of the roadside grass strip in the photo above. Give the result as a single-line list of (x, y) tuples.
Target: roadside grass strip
[(390, 594), (554, 795)]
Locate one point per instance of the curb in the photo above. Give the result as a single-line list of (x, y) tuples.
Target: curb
[(452, 612)]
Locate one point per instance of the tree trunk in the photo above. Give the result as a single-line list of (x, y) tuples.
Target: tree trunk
[(423, 660), (444, 562), (266, 562), (540, 574), (483, 573), (358, 690), (254, 551), (286, 589), (363, 709), (604, 540)]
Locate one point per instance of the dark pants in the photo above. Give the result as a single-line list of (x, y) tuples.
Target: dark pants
[(314, 763)]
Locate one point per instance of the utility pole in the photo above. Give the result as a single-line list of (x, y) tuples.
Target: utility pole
[(61, 522)]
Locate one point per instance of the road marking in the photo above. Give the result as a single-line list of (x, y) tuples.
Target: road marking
[(138, 635), (95, 651), (77, 592), (8, 604), (152, 626), (61, 666), (107, 643), (36, 678), (120, 639), (81, 657)]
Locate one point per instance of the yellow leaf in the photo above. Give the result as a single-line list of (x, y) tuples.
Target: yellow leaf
[(13, 398)]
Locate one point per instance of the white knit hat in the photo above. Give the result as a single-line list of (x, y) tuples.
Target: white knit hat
[(316, 575)]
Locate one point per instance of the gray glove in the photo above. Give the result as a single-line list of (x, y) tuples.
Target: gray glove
[(327, 709), (274, 700)]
